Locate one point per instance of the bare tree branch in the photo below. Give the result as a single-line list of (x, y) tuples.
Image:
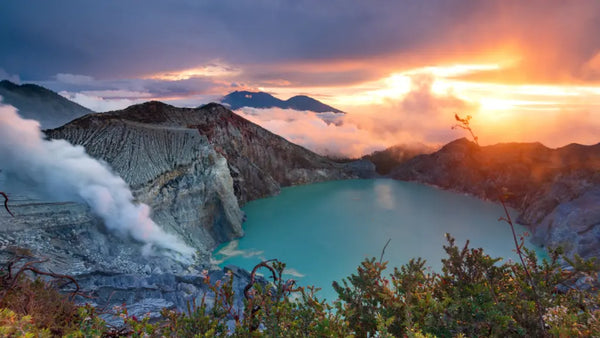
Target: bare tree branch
[(6, 203), (465, 124), (8, 281), (263, 264), (383, 250)]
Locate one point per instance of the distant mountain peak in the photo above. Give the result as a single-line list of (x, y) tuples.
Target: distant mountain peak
[(239, 99), (41, 104), (8, 85)]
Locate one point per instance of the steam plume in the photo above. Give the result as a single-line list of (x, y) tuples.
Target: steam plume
[(67, 172)]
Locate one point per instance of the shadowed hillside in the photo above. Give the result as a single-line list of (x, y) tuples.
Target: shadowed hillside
[(38, 103)]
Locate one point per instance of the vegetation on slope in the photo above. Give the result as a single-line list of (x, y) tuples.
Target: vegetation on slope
[(473, 295)]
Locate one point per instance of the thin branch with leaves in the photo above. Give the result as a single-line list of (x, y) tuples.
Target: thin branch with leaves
[(465, 124)]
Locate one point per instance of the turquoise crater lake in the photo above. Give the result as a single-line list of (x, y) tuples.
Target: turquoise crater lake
[(323, 231)]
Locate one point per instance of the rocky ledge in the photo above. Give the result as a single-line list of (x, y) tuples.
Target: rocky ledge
[(556, 191)]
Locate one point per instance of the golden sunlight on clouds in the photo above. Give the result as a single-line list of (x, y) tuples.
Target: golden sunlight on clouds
[(392, 87), (397, 85), (375, 92), (417, 101), (419, 104), (211, 70)]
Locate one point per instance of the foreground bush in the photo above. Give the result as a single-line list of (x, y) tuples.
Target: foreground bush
[(474, 295)]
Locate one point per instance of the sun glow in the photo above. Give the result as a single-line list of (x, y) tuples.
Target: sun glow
[(398, 84), (502, 111), (392, 87)]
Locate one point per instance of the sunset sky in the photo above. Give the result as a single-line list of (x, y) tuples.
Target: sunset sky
[(525, 70)]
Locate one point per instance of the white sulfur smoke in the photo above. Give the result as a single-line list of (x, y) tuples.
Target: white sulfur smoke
[(67, 172)]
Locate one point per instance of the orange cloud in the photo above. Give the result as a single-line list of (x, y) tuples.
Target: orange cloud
[(418, 106)]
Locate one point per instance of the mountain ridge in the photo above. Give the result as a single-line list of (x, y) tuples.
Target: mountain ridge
[(387, 159), (556, 191), (216, 127), (240, 99)]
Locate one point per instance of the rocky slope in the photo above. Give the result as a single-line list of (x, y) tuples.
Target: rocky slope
[(189, 165), (172, 169), (261, 162), (556, 191), (38, 103), (192, 166)]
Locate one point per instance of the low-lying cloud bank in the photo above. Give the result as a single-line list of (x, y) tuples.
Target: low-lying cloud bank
[(418, 117), (99, 103), (423, 116), (66, 172)]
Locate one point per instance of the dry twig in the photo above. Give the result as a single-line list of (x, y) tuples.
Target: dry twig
[(6, 203)]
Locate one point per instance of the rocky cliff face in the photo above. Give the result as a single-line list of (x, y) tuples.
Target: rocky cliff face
[(192, 166), (555, 190), (173, 170), (259, 161)]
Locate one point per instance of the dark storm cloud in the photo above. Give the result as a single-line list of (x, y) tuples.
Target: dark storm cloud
[(108, 38), (125, 39)]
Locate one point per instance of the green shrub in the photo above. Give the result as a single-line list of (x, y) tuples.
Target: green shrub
[(35, 302), (473, 295)]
